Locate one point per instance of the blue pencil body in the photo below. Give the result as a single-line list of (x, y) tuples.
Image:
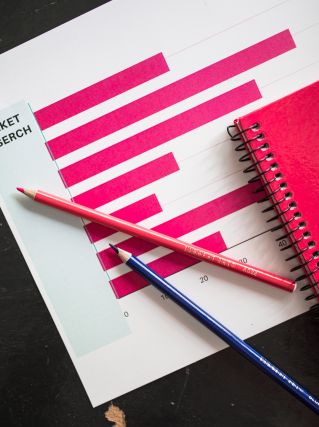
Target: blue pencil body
[(225, 334)]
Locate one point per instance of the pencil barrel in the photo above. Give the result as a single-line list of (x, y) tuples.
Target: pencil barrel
[(225, 334), (166, 241)]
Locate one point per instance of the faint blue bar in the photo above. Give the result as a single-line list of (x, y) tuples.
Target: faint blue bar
[(60, 257)]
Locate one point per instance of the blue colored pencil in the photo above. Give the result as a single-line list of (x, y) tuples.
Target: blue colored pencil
[(225, 334)]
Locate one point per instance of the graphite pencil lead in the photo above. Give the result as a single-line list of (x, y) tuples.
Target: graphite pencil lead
[(124, 255), (115, 249)]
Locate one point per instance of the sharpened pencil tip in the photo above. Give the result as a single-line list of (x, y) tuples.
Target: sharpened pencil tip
[(20, 189), (115, 249)]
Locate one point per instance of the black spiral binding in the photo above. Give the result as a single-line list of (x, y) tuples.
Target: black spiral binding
[(240, 135)]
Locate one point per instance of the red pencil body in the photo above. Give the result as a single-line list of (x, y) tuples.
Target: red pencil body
[(163, 240)]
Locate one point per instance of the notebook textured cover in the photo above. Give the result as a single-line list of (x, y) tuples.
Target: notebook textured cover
[(282, 141)]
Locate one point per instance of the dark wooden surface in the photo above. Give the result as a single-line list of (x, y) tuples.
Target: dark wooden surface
[(39, 385)]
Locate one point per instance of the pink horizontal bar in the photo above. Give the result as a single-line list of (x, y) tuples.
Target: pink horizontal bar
[(102, 91), (161, 133), (165, 266), (185, 223), (172, 93), (128, 182), (136, 212)]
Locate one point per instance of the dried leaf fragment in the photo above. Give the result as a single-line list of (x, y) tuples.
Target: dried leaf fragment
[(115, 415)]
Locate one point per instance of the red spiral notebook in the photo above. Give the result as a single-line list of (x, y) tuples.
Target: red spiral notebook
[(281, 143)]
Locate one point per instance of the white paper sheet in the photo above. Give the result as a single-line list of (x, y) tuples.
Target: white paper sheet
[(119, 342)]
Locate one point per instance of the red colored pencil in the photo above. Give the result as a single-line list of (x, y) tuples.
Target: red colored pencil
[(160, 239)]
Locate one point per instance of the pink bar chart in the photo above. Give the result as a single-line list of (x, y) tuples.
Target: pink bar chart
[(172, 93), (164, 167), (161, 133)]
